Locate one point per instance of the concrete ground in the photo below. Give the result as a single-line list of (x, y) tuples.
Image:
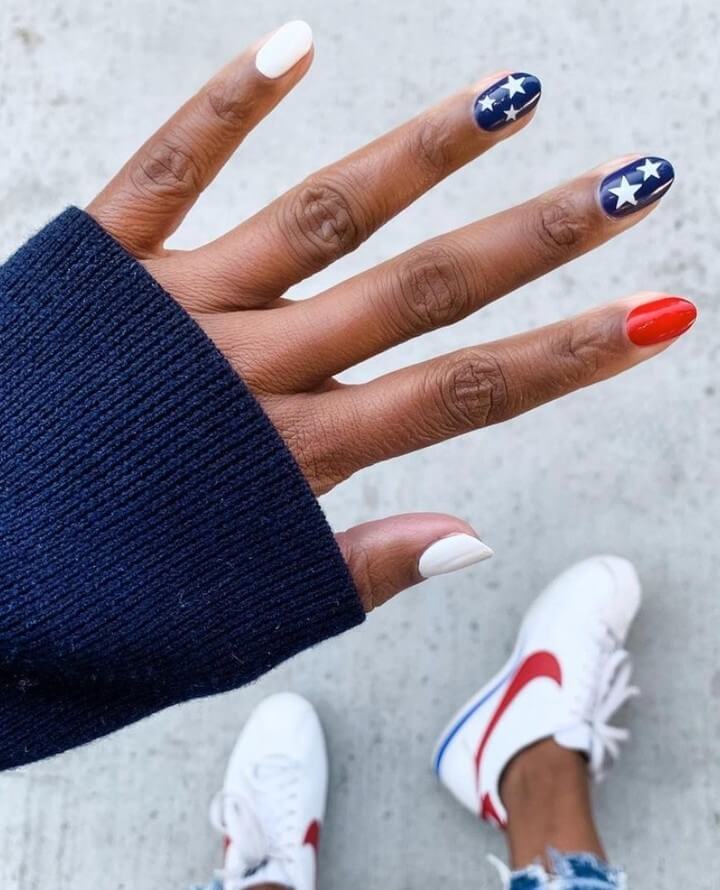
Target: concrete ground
[(630, 466)]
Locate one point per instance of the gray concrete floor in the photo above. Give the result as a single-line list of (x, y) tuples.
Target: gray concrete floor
[(630, 466)]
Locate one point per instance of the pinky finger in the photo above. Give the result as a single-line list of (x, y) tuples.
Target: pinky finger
[(388, 555), (476, 387)]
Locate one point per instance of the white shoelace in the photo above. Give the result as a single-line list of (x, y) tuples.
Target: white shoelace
[(600, 699), (615, 691), (260, 820)]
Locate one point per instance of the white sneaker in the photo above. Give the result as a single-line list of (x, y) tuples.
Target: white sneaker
[(272, 803), (565, 679)]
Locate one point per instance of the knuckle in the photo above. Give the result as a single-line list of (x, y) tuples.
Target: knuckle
[(324, 221), (431, 146), (311, 444), (323, 472), (560, 225), (224, 105), (580, 351), (473, 390), (432, 289), (166, 168)]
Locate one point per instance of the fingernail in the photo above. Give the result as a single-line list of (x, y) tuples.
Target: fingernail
[(284, 49), (506, 101), (635, 186), (660, 320), (452, 553)]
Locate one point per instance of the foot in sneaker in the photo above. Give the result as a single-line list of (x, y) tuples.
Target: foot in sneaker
[(567, 676), (272, 803)]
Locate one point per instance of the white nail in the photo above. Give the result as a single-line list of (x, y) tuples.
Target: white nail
[(284, 49), (451, 554)]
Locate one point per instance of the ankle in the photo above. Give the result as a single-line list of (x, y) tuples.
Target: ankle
[(546, 792), (542, 771)]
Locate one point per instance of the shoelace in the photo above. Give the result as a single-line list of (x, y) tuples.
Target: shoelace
[(260, 822), (615, 690), (604, 688)]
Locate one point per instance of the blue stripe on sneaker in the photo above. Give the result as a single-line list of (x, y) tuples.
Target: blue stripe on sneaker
[(466, 716)]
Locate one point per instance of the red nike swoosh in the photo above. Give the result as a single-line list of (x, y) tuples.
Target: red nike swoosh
[(312, 835), (312, 839), (488, 811), (539, 664)]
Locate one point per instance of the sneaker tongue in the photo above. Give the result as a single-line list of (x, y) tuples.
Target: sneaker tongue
[(248, 846), (271, 872), (235, 863)]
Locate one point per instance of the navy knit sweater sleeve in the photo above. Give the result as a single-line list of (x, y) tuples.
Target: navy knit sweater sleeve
[(157, 540)]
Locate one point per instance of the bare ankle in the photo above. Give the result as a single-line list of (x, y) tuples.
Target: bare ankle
[(541, 770), (545, 790)]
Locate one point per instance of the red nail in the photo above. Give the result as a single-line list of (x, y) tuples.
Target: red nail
[(660, 320)]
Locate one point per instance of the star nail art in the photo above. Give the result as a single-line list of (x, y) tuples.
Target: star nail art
[(635, 186), (506, 101)]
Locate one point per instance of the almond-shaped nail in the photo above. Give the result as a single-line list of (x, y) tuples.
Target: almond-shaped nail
[(284, 49), (506, 101), (660, 320), (452, 553), (635, 186)]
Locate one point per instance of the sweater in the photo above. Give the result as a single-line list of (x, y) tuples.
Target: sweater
[(158, 542)]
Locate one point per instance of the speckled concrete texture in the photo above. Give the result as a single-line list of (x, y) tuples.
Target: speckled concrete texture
[(630, 466)]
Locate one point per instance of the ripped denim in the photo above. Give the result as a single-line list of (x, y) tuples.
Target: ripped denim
[(570, 871)]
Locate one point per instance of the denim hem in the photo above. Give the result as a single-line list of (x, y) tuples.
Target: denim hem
[(570, 871)]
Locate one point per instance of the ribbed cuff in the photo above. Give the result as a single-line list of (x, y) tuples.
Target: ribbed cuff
[(157, 539)]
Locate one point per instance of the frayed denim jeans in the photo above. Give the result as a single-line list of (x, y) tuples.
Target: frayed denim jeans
[(571, 871), (574, 871)]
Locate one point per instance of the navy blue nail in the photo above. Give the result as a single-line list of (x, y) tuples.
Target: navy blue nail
[(635, 186), (506, 101)]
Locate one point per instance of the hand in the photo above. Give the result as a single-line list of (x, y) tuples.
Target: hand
[(288, 352)]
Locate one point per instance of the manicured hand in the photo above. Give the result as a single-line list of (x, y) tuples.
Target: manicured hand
[(288, 352)]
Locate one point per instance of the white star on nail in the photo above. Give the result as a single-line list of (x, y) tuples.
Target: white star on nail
[(649, 168), (512, 113), (625, 193), (487, 104), (514, 85)]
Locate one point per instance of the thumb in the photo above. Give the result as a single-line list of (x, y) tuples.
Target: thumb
[(387, 555)]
